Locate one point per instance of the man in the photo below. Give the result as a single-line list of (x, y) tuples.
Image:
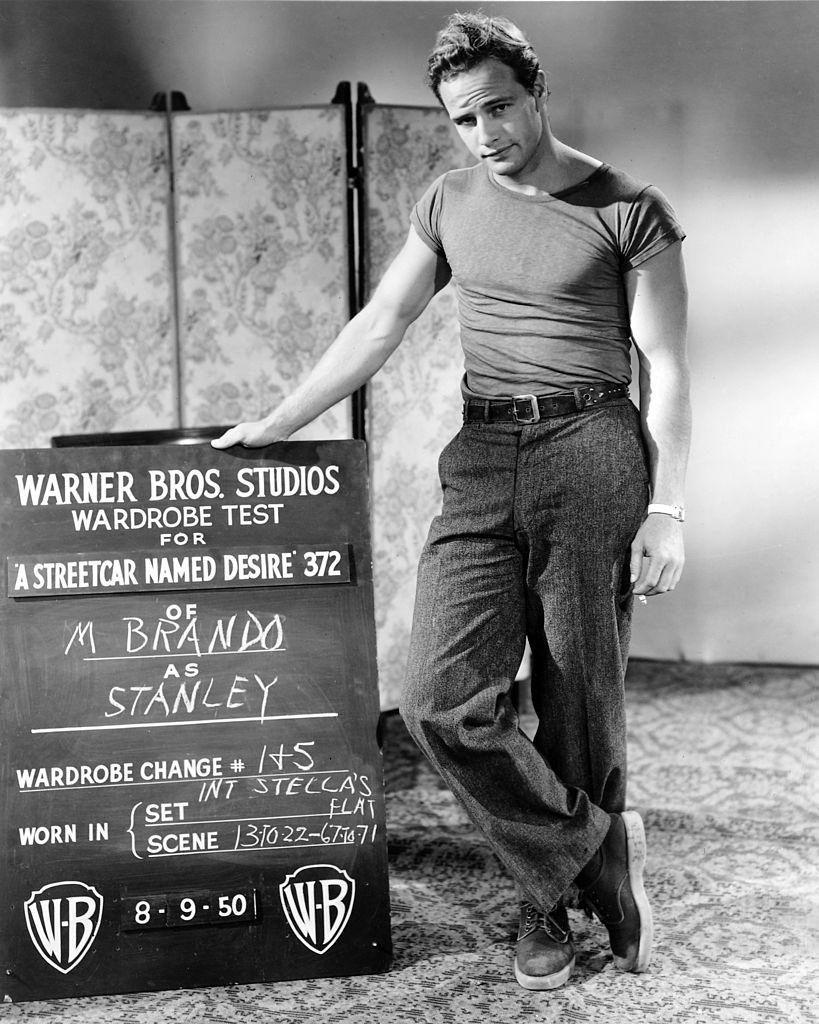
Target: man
[(560, 262)]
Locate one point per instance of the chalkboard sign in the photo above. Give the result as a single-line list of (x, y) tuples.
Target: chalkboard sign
[(191, 786)]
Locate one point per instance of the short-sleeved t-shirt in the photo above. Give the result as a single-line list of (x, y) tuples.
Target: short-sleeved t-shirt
[(540, 279)]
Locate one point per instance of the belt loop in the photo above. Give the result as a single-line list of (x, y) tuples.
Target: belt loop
[(486, 411), (579, 402)]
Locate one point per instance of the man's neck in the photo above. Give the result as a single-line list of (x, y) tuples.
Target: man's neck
[(556, 167)]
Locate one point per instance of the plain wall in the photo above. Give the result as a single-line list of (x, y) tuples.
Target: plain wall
[(714, 102)]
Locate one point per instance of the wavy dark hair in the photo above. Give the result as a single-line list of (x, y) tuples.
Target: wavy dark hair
[(468, 39)]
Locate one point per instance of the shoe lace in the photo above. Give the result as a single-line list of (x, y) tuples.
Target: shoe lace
[(533, 918)]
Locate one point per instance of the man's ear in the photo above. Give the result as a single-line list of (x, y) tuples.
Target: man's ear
[(540, 89)]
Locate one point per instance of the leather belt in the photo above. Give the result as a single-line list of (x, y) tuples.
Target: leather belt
[(531, 408)]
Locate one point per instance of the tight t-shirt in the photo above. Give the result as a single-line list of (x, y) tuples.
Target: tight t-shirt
[(539, 279)]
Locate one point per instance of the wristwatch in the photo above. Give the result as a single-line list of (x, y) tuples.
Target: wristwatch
[(675, 511)]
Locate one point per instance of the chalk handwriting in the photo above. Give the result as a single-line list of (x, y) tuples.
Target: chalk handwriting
[(283, 755), (170, 635), (295, 785), (172, 697)]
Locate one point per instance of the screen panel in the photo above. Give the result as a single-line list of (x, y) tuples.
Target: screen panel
[(262, 258), (414, 402), (86, 306)]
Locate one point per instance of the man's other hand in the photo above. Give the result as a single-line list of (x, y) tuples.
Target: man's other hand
[(657, 556), (252, 435)]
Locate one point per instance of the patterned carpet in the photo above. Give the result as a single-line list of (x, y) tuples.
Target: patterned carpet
[(724, 769)]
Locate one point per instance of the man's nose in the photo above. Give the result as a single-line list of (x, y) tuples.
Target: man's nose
[(487, 134)]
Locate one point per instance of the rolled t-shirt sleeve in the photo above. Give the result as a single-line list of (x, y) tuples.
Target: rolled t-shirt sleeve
[(650, 225), (425, 217)]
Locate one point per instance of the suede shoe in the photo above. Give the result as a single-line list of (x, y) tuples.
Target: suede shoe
[(544, 956), (611, 885)]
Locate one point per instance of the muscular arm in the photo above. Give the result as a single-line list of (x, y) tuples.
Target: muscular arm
[(657, 298), (361, 348)]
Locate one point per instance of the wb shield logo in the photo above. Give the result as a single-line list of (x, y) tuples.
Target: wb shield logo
[(317, 901), (63, 919)]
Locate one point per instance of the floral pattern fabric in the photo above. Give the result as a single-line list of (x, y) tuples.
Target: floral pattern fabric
[(86, 310), (414, 403), (263, 258)]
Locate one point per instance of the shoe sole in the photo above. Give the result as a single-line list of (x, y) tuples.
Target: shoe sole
[(636, 852), (541, 983)]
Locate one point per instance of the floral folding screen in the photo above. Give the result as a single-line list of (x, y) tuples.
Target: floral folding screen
[(125, 306), (414, 403), (121, 309), (86, 308)]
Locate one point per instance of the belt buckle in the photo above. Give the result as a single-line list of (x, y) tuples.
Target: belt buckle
[(534, 409)]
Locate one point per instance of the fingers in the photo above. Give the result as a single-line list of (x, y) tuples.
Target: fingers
[(657, 575), (229, 438), (251, 435), (636, 561), (657, 557)]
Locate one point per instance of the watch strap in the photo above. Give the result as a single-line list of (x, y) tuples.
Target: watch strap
[(675, 511)]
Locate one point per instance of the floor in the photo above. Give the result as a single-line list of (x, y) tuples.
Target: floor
[(724, 769)]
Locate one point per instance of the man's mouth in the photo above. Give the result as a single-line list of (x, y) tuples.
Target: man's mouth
[(495, 153)]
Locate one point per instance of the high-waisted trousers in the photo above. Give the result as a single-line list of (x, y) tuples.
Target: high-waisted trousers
[(533, 541)]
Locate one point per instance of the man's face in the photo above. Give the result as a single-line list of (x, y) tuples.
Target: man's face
[(498, 120)]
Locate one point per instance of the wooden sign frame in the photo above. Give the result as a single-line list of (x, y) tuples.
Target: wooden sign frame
[(190, 782)]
